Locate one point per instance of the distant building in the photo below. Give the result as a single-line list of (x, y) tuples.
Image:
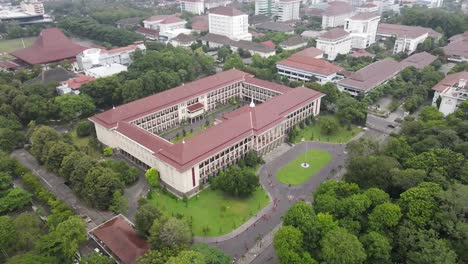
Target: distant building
[(29, 12), (118, 238), (293, 43), (200, 24), (457, 49), (51, 46), (418, 60), (33, 6), (169, 26), (192, 6), (311, 34), (217, 41), (301, 67), (105, 70), (370, 77), (335, 14), (333, 42), (363, 29), (271, 26), (98, 57), (148, 33), (436, 3), (229, 22), (130, 23), (450, 92), (310, 52), (280, 10), (407, 37), (183, 40), (367, 8), (73, 85)]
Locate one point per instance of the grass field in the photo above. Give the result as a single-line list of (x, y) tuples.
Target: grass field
[(10, 45), (294, 174), (212, 212), (342, 135), (83, 144)]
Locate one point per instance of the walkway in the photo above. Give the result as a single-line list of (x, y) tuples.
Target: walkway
[(241, 240)]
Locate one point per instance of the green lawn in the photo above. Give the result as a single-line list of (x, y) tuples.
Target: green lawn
[(10, 45), (294, 174), (83, 144), (212, 210), (313, 133)]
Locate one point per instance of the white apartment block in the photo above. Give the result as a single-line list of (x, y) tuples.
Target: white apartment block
[(451, 92), (192, 6), (281, 10), (363, 29), (169, 26), (229, 22), (407, 37), (94, 57), (336, 13), (334, 42), (33, 7)]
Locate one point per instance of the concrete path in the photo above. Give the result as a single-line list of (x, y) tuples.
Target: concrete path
[(57, 185), (246, 237)]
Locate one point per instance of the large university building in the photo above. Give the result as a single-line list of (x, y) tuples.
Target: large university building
[(133, 128)]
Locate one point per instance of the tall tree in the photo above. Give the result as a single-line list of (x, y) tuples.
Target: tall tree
[(341, 247)]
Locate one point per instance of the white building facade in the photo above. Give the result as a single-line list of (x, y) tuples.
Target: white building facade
[(334, 42), (280, 10), (33, 7), (229, 22), (192, 6), (99, 57), (451, 92), (363, 29)]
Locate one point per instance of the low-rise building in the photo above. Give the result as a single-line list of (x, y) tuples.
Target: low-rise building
[(118, 238), (293, 43), (183, 167), (271, 26), (369, 77), (97, 57), (33, 6), (450, 92), (183, 40), (73, 85), (310, 52), (333, 42), (148, 33), (304, 68), (169, 26), (200, 24), (363, 29), (217, 41), (229, 22), (105, 70), (457, 49), (335, 14), (367, 8), (312, 34), (407, 37), (419, 60)]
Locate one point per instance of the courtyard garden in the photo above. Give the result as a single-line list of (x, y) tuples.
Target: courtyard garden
[(212, 212), (295, 174)]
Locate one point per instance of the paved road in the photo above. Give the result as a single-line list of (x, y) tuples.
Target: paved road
[(56, 185), (243, 239)]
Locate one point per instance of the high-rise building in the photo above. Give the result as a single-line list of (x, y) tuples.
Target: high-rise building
[(280, 10), (363, 29), (229, 22)]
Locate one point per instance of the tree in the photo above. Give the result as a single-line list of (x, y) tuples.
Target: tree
[(157, 256), (174, 233), (5, 182), (223, 53), (8, 232), (56, 152), (377, 248), (288, 246), (11, 134), (100, 185), (187, 257), (145, 216), (419, 203), (102, 91), (234, 61), (68, 164), (40, 137), (84, 128), (340, 247), (119, 203), (252, 160), (351, 110), (328, 125), (72, 107), (97, 258), (31, 258), (237, 181), (16, 198), (212, 255), (299, 214), (384, 216), (152, 176), (30, 227)]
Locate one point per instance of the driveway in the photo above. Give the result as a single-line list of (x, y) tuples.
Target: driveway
[(241, 240), (57, 185)]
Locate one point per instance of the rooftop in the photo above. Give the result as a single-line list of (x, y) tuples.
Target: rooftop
[(121, 239), (148, 31), (106, 70), (311, 52), (372, 75), (312, 65), (419, 60), (165, 19), (449, 81), (269, 44), (458, 46), (275, 26), (361, 53), (226, 11), (184, 38), (200, 23), (334, 34), (51, 46), (76, 82), (402, 31), (337, 8), (293, 41), (365, 16)]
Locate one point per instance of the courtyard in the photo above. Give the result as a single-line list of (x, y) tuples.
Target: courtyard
[(211, 212), (305, 166)]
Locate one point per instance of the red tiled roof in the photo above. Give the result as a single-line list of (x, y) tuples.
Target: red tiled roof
[(195, 107), (458, 46), (200, 23), (312, 65), (361, 53), (365, 16), (167, 98), (337, 8), (372, 75), (311, 52), (121, 49), (269, 85), (51, 46), (172, 19), (148, 31), (335, 33), (449, 81), (9, 65), (402, 31), (419, 60), (122, 240), (269, 44), (76, 82), (368, 5), (226, 11)]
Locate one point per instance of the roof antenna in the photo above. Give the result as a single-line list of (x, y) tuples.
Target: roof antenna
[(252, 104)]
